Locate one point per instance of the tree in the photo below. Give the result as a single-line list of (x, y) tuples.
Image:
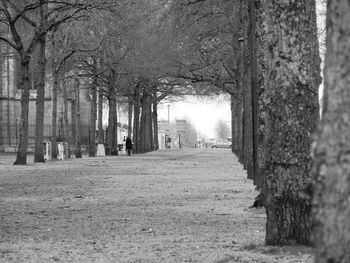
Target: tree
[(63, 46), (332, 152), (291, 101), (16, 14), (222, 129), (77, 139)]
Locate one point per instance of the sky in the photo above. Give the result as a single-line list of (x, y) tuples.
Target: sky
[(203, 114)]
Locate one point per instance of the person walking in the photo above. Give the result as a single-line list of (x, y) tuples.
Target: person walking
[(128, 145)]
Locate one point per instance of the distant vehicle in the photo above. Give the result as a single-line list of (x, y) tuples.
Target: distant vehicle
[(221, 143)]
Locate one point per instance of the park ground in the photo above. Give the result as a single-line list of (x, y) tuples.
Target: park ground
[(165, 206)]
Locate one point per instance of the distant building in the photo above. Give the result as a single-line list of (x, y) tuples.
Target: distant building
[(180, 134)]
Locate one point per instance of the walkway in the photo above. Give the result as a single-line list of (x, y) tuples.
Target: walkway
[(166, 206)]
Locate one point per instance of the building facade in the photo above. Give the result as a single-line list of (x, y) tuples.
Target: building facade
[(10, 105)]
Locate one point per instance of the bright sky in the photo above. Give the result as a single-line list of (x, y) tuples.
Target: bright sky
[(203, 114)]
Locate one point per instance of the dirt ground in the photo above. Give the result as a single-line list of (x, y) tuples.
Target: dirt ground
[(165, 206)]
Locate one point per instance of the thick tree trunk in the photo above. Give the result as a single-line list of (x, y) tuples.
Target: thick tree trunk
[(136, 128), (155, 120), (247, 97), (254, 88), (24, 85), (73, 118), (155, 127), (93, 117), (54, 115), (109, 132), (130, 106), (78, 153), (112, 140), (69, 134), (291, 101), (233, 124), (55, 76), (261, 54), (40, 104), (146, 135), (115, 148), (237, 126), (331, 204)]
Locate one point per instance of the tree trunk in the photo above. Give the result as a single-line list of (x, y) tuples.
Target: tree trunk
[(24, 85), (109, 132), (247, 96), (331, 204), (112, 141), (78, 153), (254, 88), (233, 123), (73, 116), (146, 135), (100, 116), (55, 75), (54, 114), (40, 104), (115, 148), (69, 134), (130, 118), (136, 128), (93, 117), (155, 120), (237, 126), (291, 101), (261, 54)]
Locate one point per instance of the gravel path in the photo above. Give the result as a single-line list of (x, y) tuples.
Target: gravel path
[(165, 206)]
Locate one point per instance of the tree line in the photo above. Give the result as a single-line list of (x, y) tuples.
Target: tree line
[(263, 53)]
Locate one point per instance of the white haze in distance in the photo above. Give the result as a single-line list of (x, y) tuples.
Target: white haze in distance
[(202, 113)]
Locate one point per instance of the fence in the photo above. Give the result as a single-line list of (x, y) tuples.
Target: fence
[(9, 134)]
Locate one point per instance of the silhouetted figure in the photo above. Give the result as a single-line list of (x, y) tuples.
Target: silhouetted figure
[(128, 145)]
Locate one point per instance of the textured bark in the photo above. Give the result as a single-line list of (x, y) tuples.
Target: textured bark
[(40, 104), (262, 57), (236, 94), (130, 118), (233, 124), (40, 99), (78, 153), (93, 117), (24, 85), (254, 88), (109, 132), (331, 167), (69, 139), (136, 127), (292, 103), (115, 149), (155, 119), (238, 127), (54, 114), (73, 116), (247, 96), (112, 140), (146, 135)]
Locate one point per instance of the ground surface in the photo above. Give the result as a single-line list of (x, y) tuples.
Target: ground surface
[(166, 206)]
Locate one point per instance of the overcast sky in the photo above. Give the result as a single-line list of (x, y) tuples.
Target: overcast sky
[(203, 114)]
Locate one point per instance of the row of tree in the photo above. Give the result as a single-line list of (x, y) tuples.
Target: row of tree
[(113, 49), (263, 53)]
